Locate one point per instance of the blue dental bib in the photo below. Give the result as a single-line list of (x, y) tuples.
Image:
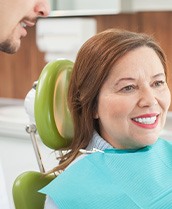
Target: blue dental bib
[(117, 179)]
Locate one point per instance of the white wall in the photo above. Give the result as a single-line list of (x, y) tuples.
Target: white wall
[(17, 156), (121, 5), (85, 4)]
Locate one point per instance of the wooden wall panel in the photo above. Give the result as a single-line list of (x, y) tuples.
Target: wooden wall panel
[(125, 21), (20, 70)]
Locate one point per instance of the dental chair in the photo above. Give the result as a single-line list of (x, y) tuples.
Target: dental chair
[(52, 122)]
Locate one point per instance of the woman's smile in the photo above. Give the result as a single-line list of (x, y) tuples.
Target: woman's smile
[(134, 100), (148, 121)]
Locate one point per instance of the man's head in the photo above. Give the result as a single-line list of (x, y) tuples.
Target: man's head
[(15, 17)]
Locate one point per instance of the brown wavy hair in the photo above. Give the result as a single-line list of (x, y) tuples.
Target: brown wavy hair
[(94, 61)]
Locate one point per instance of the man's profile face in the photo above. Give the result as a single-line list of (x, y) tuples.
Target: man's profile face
[(15, 17)]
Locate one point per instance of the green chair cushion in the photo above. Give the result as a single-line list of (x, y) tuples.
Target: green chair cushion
[(25, 190)]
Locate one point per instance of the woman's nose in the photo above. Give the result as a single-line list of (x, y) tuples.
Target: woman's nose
[(42, 8), (147, 98)]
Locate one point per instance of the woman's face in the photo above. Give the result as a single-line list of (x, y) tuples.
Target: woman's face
[(134, 100)]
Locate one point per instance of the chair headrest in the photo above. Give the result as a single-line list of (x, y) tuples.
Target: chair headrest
[(52, 116)]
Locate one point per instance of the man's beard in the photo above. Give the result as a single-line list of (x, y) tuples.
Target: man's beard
[(8, 47)]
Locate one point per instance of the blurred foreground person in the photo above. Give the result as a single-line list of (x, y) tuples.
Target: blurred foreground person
[(15, 17)]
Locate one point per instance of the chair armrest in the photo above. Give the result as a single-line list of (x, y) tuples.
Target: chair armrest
[(25, 190)]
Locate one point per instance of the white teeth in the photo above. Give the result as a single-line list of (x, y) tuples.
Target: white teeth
[(149, 120), (23, 24)]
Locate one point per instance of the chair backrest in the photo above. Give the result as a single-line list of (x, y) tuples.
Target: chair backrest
[(54, 126), (53, 120)]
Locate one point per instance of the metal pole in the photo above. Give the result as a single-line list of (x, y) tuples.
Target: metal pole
[(31, 129)]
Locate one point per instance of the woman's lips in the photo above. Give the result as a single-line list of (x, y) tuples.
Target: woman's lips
[(148, 121)]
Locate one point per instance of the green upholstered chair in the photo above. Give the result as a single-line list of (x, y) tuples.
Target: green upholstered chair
[(53, 124)]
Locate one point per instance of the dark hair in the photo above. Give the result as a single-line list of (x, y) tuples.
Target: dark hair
[(94, 61)]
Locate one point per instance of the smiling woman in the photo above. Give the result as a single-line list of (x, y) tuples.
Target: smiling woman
[(118, 98), (137, 88)]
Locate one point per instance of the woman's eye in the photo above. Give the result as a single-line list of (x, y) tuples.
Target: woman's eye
[(158, 83), (128, 88)]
